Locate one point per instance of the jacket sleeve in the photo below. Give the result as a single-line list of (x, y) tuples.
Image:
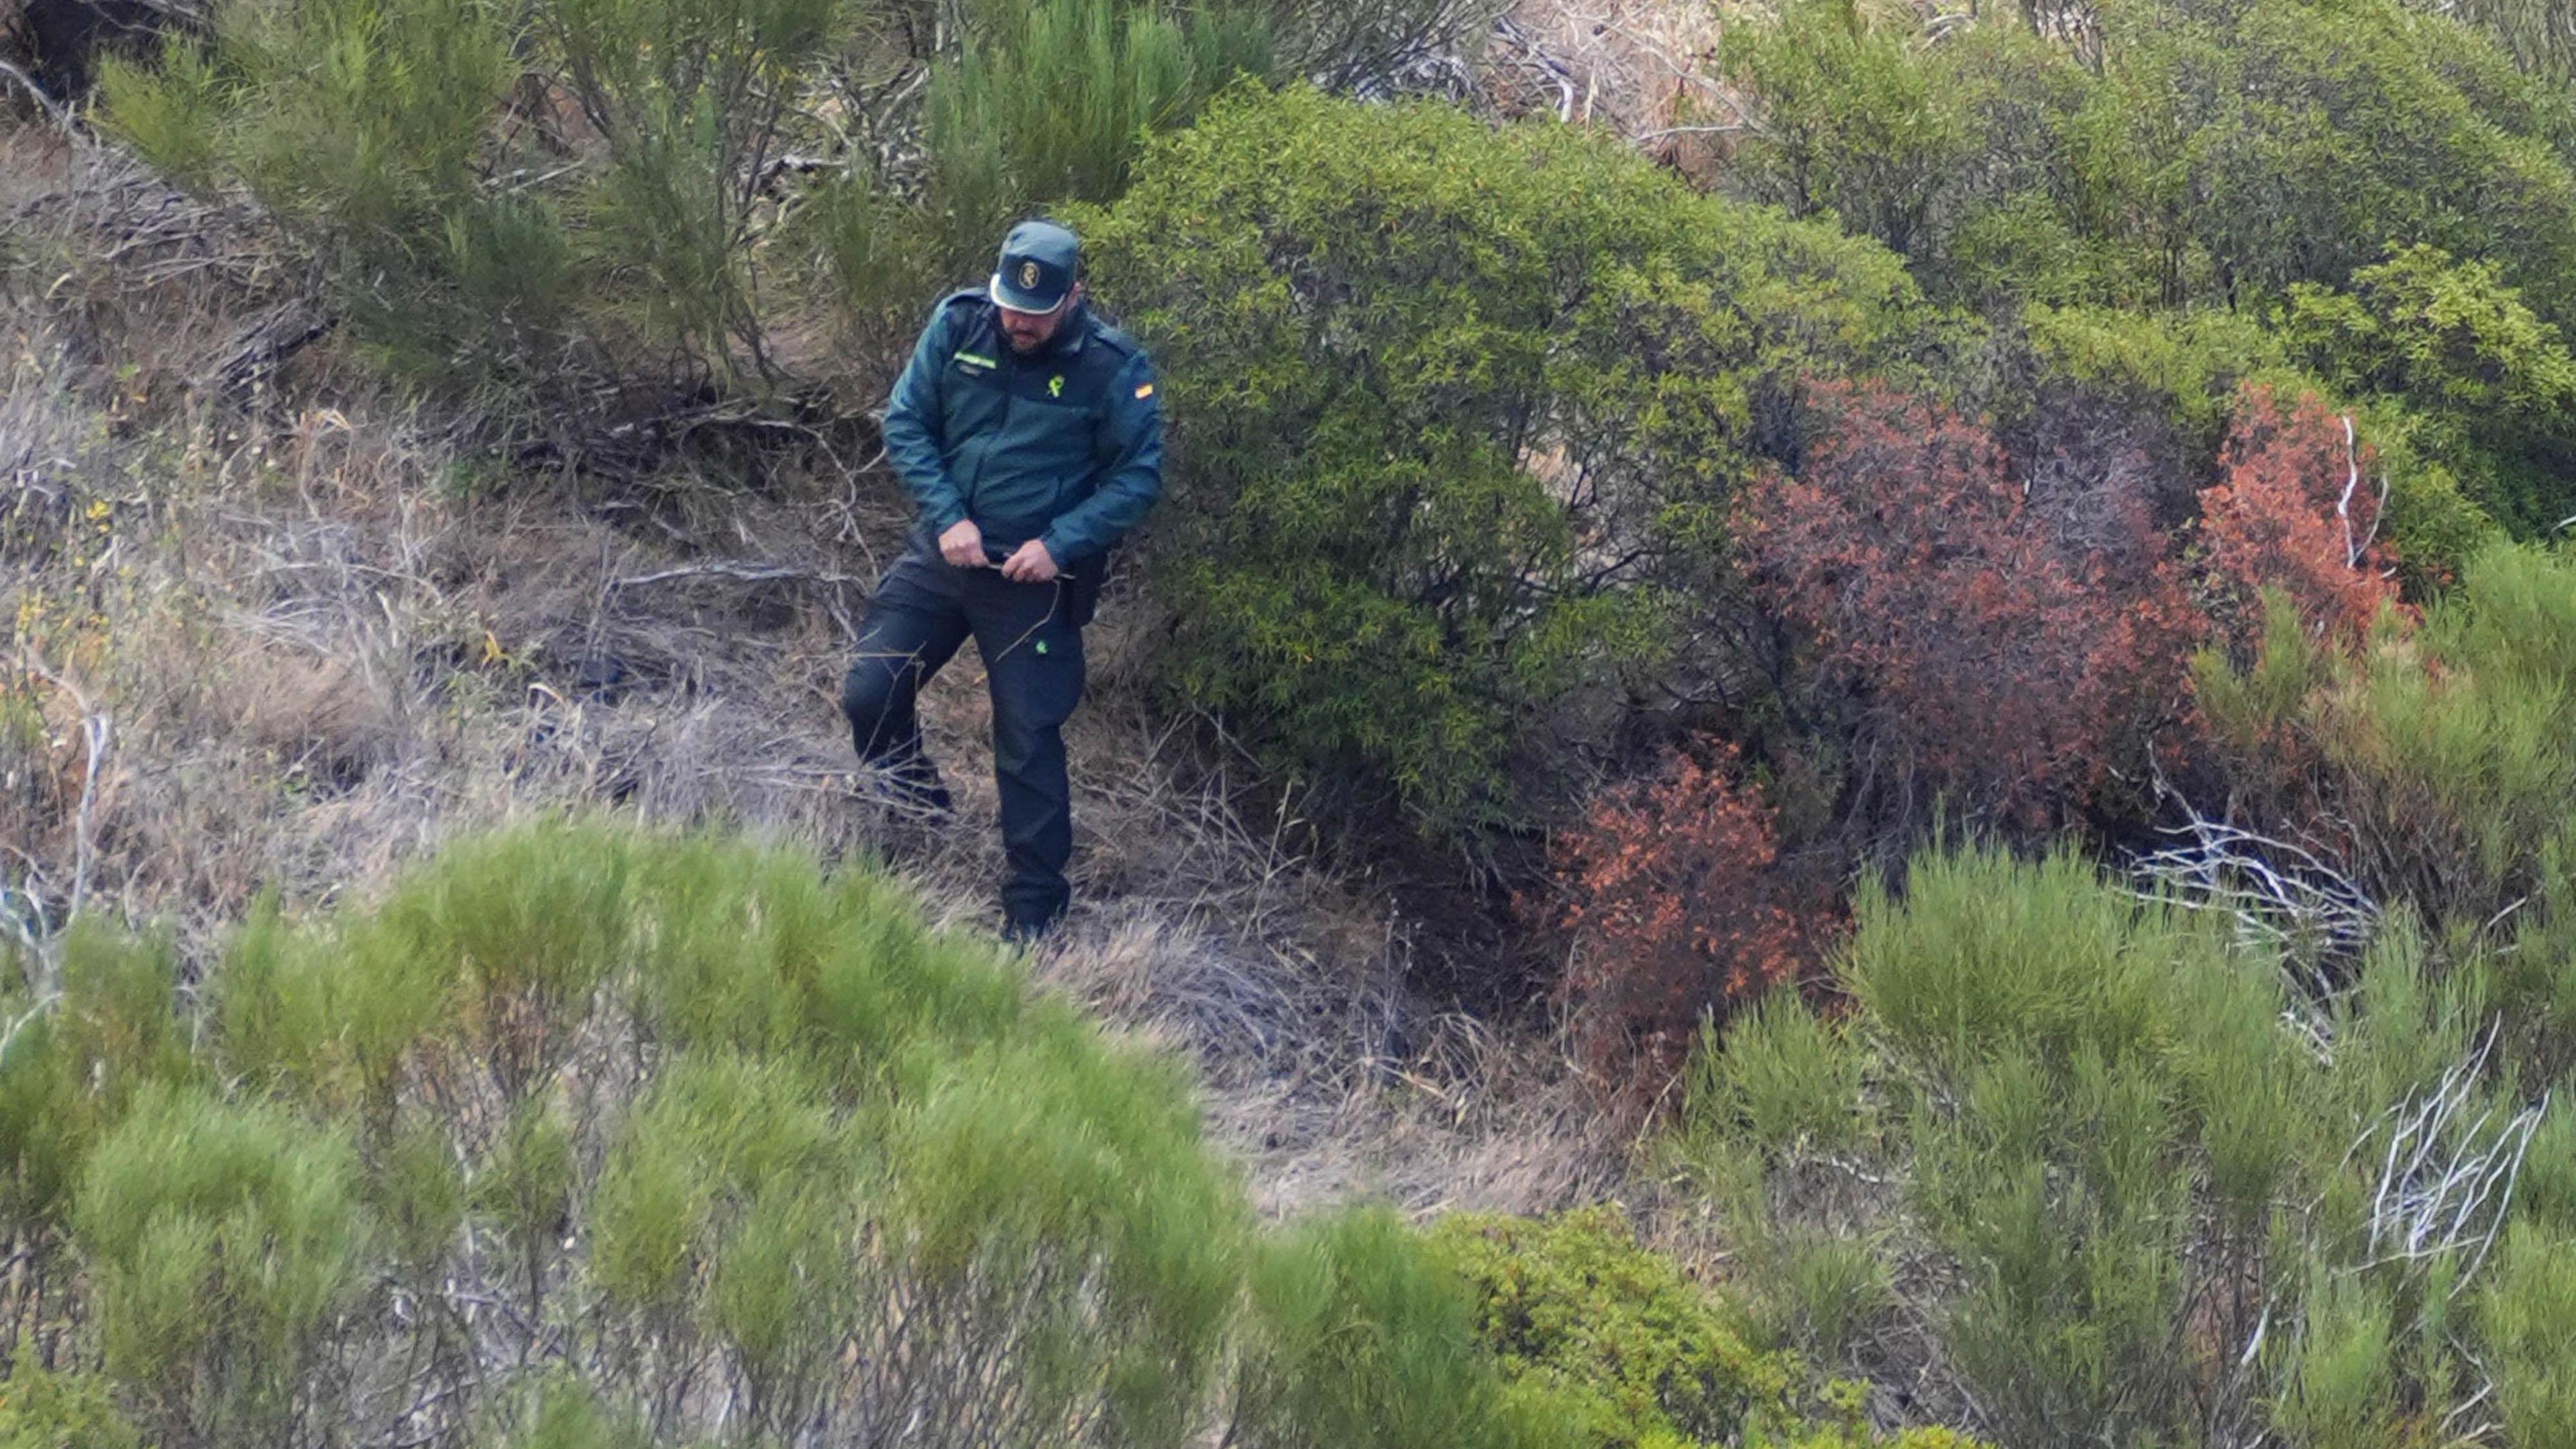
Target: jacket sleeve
[(1131, 438), (912, 422)]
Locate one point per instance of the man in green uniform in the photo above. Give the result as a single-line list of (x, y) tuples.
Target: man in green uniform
[(1028, 432)]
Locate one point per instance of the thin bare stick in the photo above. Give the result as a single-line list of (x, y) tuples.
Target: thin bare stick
[(62, 117), (98, 733), (746, 573)]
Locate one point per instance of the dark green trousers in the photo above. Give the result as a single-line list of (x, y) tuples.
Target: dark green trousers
[(925, 607)]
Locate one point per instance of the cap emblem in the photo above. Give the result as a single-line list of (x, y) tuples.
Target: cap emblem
[(1028, 274)]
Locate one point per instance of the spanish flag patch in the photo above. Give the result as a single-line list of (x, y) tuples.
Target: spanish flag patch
[(1145, 389)]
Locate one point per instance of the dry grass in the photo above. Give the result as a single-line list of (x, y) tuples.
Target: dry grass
[(1645, 69), (265, 637)]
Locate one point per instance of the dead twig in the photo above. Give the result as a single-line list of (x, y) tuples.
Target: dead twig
[(744, 573), (98, 733)]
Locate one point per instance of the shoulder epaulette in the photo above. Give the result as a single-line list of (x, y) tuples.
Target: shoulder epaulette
[(963, 294), (1112, 336)]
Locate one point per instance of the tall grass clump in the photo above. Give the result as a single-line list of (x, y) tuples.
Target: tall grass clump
[(2103, 1170)]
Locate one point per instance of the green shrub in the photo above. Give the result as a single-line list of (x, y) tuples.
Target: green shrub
[(2441, 754), (1361, 1336), (523, 202), (2343, 1391), (224, 1240), (1626, 1347), (2529, 1318), (2186, 367), (1783, 1077), (556, 1413), (2537, 32), (72, 1065), (2092, 1119), (292, 1014), (360, 125), (1445, 431), (730, 1190), (716, 1142), (1055, 1162), (2488, 385), (2206, 153), (2139, 1180), (39, 1410)]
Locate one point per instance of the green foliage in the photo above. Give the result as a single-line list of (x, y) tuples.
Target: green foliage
[(1053, 100), (2540, 34), (225, 1239), (1629, 1351), (361, 124), (2185, 366), (2209, 152), (557, 1413), (735, 1172), (1359, 1335), (2131, 1172), (1446, 431), (775, 1115), (1785, 1078), (292, 1013), (2343, 1389), (2529, 1318), (2489, 386), (2328, 159), (2443, 752), (71, 1066), (39, 1410), (513, 200)]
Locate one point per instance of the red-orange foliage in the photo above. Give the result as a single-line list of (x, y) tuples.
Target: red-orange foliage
[(1676, 908), (2006, 655), (2296, 510)]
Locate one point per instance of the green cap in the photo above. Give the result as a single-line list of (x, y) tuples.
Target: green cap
[(1039, 260)]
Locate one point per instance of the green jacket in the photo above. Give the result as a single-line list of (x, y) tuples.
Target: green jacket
[(1064, 445)]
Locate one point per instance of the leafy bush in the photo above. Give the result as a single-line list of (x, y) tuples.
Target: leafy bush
[(39, 1410), (225, 1241), (2488, 385), (2433, 760), (71, 1067), (2529, 1317), (1444, 431), (586, 1137), (1630, 1352), (1784, 1077), (2117, 1198), (376, 158), (1360, 1335), (2207, 152), (1676, 911), (522, 200), (1961, 633), (2539, 34), (2295, 511)]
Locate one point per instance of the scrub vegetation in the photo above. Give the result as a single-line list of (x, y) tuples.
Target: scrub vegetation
[(1849, 724)]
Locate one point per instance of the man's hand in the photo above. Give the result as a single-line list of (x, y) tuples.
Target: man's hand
[(1031, 564), (963, 545)]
